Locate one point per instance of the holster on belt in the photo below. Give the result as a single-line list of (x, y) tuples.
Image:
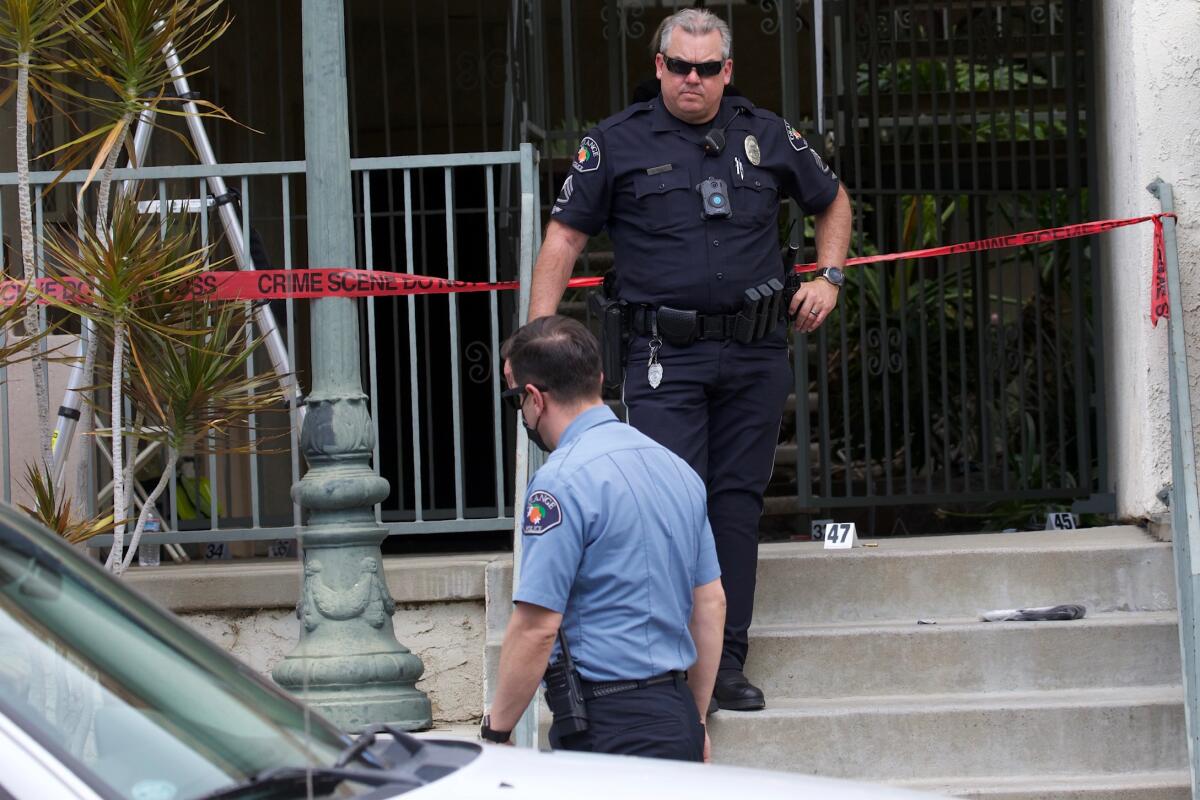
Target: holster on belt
[(792, 280), (791, 285), (613, 316)]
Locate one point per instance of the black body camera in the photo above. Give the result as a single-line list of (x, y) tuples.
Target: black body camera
[(714, 195)]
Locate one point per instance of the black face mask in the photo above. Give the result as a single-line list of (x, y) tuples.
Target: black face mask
[(534, 436)]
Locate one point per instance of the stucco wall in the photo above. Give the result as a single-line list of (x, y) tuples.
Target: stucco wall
[(248, 608), (1147, 122), (448, 637)]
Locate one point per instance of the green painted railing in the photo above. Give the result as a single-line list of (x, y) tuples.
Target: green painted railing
[(442, 215), (1185, 501)]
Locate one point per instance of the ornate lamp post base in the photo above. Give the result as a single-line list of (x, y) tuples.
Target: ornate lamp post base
[(356, 691), (348, 663)]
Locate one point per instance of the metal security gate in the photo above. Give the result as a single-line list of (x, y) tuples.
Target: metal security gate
[(958, 383), (970, 380), (968, 383)]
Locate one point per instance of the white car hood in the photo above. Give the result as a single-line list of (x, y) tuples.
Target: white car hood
[(517, 772)]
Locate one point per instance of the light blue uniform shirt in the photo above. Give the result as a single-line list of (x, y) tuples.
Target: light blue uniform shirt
[(616, 537)]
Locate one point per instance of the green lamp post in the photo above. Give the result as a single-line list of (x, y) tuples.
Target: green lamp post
[(348, 663)]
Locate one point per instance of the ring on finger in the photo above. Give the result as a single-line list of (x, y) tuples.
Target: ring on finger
[(814, 313)]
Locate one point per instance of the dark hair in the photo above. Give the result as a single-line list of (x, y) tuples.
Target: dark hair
[(557, 353)]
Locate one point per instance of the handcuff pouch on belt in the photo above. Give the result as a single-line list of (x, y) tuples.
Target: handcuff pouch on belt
[(676, 326), (614, 331), (564, 694)]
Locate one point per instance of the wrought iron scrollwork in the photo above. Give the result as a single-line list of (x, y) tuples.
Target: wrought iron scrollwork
[(629, 20), (470, 66), (1040, 15), (466, 75), (1008, 336), (770, 23), (895, 353), (479, 359)]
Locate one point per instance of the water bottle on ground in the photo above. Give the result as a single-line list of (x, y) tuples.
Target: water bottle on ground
[(150, 553)]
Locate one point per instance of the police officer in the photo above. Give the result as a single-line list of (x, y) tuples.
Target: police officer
[(689, 187), (618, 553)]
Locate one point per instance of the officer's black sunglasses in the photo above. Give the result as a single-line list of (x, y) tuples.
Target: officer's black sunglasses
[(516, 395), (705, 70)]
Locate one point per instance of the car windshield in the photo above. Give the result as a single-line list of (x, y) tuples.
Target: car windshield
[(136, 704)]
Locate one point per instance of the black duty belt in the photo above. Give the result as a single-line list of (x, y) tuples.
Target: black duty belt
[(594, 689), (710, 327)]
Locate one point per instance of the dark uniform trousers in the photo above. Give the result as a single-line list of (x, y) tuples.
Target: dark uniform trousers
[(719, 407), (658, 721)]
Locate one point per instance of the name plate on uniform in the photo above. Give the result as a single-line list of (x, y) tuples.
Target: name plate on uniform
[(818, 529), (1061, 521), (840, 535)]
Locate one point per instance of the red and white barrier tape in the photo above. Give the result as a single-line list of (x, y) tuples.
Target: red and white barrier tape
[(301, 284), (1159, 301)]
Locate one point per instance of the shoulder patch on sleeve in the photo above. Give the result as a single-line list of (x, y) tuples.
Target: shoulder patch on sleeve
[(542, 513), (794, 138), (587, 158)]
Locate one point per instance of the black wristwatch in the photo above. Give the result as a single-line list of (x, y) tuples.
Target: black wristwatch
[(489, 735), (832, 274)]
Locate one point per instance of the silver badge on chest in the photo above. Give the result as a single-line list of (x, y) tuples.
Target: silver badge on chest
[(753, 154)]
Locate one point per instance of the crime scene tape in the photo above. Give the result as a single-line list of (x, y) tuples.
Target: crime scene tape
[(310, 284), (1160, 306)]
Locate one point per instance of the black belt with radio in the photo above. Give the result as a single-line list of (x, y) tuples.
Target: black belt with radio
[(567, 693), (564, 694)]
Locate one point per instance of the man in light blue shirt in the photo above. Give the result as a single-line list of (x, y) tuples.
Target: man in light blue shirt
[(618, 552)]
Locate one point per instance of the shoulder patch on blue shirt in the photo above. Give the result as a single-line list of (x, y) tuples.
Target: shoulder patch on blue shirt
[(587, 158), (542, 512), (794, 138)]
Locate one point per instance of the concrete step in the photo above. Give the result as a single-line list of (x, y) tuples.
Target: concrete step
[(902, 658), (1166, 785), (1116, 568), (961, 736)]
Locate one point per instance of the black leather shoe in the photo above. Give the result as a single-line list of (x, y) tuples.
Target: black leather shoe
[(712, 705), (734, 693)]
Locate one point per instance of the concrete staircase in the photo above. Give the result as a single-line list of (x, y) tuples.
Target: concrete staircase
[(857, 688)]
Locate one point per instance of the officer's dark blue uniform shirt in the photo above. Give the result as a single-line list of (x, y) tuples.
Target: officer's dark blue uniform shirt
[(636, 173), (616, 537)]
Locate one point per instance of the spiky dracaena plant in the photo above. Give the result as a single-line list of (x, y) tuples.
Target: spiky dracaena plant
[(122, 46), (31, 33), (57, 512), (194, 391), (123, 269)]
